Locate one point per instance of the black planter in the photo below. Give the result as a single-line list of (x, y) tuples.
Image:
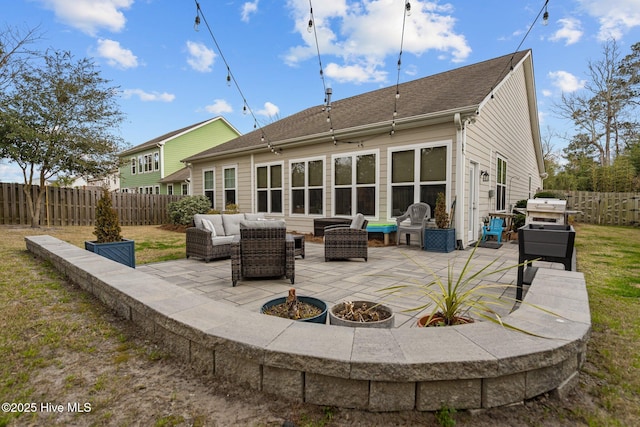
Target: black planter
[(122, 252), (439, 239), (320, 318)]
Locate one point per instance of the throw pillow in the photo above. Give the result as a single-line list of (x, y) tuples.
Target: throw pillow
[(208, 225)]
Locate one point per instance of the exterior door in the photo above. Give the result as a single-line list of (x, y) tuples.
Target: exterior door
[(472, 216)]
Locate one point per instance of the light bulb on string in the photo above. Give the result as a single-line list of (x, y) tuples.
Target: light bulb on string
[(228, 78), (407, 8), (196, 24), (545, 18), (397, 94), (310, 26)]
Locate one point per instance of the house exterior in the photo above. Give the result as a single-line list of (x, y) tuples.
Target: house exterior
[(154, 167), (471, 133)]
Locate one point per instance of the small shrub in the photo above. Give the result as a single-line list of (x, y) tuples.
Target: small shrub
[(442, 217), (547, 195), (107, 228), (182, 211)]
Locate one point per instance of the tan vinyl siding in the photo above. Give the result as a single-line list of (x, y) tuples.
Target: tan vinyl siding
[(504, 128)]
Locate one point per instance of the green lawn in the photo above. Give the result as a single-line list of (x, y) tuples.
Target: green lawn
[(49, 325)]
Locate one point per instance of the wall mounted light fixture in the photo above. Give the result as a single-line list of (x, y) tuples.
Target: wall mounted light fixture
[(485, 176)]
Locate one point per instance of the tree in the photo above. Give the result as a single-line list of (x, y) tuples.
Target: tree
[(59, 116), (14, 52), (603, 114)]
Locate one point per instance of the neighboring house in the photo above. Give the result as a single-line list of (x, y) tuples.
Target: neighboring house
[(154, 167), (471, 133), (111, 182)]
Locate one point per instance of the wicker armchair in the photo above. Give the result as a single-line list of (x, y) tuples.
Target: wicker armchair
[(419, 214), (347, 241), (263, 249)]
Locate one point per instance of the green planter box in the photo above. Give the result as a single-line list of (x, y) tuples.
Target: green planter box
[(440, 239), (122, 252)]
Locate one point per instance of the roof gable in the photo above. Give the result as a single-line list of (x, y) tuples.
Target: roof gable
[(162, 139)]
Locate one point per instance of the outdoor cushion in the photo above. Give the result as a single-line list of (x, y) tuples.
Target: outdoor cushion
[(208, 225), (215, 219), (262, 224), (222, 240), (254, 217), (358, 222), (232, 223)]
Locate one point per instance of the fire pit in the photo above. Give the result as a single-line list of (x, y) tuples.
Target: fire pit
[(544, 242)]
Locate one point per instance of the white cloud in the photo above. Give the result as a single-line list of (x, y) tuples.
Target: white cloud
[(148, 96), (269, 110), (10, 172), (361, 35), (90, 15), (616, 17), (116, 55), (354, 73), (570, 31), (565, 81), (248, 9), (547, 92), (201, 58), (219, 106)]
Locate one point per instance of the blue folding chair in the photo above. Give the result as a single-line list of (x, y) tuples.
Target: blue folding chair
[(493, 229)]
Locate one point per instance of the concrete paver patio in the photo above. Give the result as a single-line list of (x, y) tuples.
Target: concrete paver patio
[(338, 281)]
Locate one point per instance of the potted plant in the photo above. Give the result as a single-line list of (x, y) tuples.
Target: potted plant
[(459, 300), (361, 314), (442, 238), (304, 309), (109, 242)]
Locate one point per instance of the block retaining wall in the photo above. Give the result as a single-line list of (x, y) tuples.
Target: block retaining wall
[(480, 365)]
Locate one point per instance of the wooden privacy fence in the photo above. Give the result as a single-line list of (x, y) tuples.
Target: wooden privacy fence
[(76, 206), (605, 208)]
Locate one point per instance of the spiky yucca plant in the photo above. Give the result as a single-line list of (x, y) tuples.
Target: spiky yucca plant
[(456, 299), (107, 227)]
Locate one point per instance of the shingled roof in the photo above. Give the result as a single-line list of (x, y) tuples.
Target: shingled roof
[(169, 135), (458, 89)]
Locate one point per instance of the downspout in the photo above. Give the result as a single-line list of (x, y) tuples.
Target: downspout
[(459, 193)]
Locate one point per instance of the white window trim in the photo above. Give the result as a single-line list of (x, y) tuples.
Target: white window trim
[(354, 200), (134, 166), (224, 188), (269, 188), (306, 161), (416, 159), (506, 163), (205, 189)]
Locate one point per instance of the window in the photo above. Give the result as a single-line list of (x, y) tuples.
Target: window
[(140, 163), (269, 188), (355, 184), (209, 187), (501, 183), (229, 185), (156, 161), (418, 174), (185, 189), (134, 163), (148, 162), (170, 189), (307, 187)]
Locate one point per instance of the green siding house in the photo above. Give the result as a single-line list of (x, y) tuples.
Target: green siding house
[(155, 167)]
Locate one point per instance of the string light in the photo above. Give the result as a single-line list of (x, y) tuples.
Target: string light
[(311, 27), (231, 78), (407, 12), (545, 20)]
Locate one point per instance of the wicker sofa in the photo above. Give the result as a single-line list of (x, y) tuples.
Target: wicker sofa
[(215, 243)]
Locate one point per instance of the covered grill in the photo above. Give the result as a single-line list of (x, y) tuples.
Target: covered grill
[(546, 211)]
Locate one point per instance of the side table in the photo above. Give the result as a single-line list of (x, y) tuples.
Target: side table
[(298, 240)]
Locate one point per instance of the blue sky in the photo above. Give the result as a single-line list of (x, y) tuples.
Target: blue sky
[(171, 75)]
